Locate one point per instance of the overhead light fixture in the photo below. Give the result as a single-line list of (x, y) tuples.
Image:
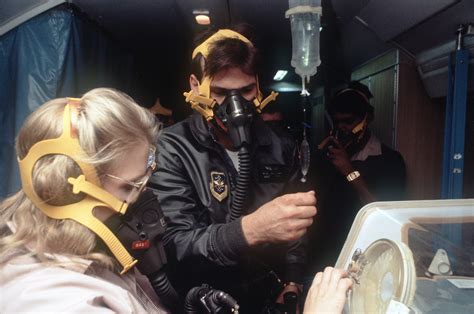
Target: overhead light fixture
[(280, 75), (202, 17), (285, 87)]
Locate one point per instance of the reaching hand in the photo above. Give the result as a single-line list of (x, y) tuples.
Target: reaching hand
[(283, 219), (339, 158), (328, 292)]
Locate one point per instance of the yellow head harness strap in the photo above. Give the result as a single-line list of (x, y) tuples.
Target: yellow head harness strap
[(219, 35), (88, 182), (203, 103)]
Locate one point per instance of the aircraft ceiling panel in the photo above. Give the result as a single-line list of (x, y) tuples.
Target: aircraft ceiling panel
[(360, 44), (439, 29), (389, 18)]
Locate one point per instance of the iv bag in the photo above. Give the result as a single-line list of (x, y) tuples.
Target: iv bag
[(305, 23)]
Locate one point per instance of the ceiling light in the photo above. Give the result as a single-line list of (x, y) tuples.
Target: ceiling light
[(202, 17), (280, 75), (285, 87)]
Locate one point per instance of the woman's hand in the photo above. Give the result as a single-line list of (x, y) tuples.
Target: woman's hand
[(328, 292)]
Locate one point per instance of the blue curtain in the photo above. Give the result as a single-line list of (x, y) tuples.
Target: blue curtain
[(55, 54)]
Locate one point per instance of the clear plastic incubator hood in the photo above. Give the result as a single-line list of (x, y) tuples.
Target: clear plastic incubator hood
[(411, 257)]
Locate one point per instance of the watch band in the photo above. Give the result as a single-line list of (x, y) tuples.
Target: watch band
[(353, 175)]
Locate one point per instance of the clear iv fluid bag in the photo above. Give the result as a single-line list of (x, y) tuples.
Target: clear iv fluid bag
[(305, 24)]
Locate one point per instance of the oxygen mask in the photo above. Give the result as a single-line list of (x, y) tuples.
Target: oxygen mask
[(236, 113), (345, 138), (140, 230), (348, 129)]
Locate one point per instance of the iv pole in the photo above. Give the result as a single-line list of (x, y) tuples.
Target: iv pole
[(305, 23)]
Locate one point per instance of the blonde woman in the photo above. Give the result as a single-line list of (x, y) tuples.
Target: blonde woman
[(82, 161)]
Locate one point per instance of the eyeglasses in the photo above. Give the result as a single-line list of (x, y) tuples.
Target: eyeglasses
[(136, 187)]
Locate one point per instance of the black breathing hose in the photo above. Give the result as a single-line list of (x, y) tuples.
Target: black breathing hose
[(191, 302), (204, 299), (243, 182), (165, 291)]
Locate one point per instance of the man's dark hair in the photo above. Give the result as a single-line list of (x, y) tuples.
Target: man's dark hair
[(353, 100), (225, 54)]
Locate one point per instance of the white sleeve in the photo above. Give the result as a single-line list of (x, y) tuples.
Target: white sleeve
[(65, 291)]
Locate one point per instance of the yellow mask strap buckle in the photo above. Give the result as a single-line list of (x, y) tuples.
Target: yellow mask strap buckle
[(202, 103), (261, 105), (360, 126)]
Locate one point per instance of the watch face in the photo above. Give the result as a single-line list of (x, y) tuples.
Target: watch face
[(353, 175)]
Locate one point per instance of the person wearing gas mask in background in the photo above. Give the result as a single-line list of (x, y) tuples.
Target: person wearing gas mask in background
[(162, 114), (220, 181), (351, 168), (69, 238)]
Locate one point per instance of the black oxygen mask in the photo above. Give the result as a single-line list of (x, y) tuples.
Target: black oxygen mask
[(236, 113), (141, 230), (349, 138), (345, 138)]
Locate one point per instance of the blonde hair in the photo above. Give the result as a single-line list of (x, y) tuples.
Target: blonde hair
[(109, 124)]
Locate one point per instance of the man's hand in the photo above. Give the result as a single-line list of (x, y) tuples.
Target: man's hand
[(339, 158), (328, 292), (341, 161), (283, 219)]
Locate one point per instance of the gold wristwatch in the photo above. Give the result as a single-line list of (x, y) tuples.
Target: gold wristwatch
[(353, 175)]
